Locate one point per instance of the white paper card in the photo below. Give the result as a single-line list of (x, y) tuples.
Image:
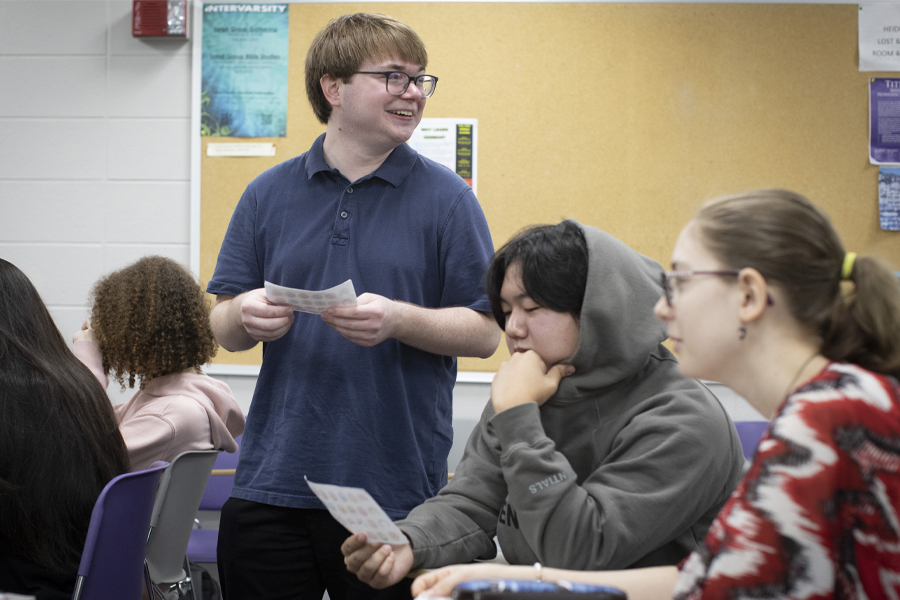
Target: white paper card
[(240, 149), (879, 36), (310, 301), (356, 510)]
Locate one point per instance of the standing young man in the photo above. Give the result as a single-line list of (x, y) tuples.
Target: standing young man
[(361, 396)]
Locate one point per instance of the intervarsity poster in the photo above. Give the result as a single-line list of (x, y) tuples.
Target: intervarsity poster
[(244, 70)]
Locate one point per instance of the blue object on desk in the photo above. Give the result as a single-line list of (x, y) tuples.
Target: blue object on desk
[(497, 589)]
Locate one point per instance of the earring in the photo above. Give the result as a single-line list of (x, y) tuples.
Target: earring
[(742, 332)]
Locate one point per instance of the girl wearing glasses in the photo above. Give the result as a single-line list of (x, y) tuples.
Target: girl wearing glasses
[(765, 298), (625, 464)]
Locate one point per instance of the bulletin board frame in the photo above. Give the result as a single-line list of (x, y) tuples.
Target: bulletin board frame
[(626, 116)]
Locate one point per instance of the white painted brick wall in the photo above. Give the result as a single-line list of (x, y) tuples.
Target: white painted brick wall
[(95, 164)]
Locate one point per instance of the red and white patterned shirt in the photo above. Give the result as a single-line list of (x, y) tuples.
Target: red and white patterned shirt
[(816, 515)]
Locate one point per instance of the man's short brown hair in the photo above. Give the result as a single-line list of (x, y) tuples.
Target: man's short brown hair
[(347, 42)]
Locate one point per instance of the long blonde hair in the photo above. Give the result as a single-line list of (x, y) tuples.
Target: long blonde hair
[(793, 244)]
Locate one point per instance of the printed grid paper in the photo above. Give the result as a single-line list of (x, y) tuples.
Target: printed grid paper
[(356, 510), (310, 301)]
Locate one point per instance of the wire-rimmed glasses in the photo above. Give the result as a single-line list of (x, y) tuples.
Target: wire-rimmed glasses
[(397, 82), (670, 279), (669, 286)]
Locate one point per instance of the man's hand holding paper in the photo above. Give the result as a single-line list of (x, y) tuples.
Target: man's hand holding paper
[(374, 320), (264, 320)]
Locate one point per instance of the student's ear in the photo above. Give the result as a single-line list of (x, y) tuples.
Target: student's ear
[(754, 294), (331, 88)]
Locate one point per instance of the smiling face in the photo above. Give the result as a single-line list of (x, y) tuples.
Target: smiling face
[(529, 326), (372, 115), (703, 322)]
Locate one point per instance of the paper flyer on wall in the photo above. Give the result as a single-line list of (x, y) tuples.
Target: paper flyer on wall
[(879, 36), (244, 70), (884, 121), (889, 198), (451, 142)]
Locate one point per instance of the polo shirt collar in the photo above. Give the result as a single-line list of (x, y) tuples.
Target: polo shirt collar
[(394, 169)]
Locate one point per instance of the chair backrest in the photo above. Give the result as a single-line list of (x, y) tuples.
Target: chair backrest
[(218, 488), (176, 505), (112, 563), (750, 433)]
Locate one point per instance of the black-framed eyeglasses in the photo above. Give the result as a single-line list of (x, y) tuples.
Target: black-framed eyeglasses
[(397, 82), (670, 280)]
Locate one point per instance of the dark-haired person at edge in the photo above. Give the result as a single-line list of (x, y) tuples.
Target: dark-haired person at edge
[(360, 396), (624, 465), (59, 446), (150, 322), (765, 298)]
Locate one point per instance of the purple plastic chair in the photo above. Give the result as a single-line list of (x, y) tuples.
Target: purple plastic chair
[(202, 545), (750, 433), (112, 563)]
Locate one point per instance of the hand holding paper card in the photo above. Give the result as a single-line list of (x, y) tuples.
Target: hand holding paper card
[(356, 510), (310, 301)]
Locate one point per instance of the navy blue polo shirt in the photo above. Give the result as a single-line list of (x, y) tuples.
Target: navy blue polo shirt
[(377, 418)]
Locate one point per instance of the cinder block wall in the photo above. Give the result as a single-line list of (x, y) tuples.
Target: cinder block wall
[(95, 157)]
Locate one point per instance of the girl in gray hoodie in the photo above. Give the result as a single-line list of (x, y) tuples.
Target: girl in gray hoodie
[(624, 465)]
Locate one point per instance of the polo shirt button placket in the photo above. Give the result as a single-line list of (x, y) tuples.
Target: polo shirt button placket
[(345, 214)]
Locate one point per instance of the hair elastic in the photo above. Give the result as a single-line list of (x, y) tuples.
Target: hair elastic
[(847, 267)]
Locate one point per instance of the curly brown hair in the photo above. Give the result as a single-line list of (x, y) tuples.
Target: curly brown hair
[(151, 319)]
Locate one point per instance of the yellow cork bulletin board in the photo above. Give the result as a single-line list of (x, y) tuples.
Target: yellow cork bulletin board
[(623, 116)]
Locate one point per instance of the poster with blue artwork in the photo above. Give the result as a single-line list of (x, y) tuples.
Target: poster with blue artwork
[(244, 70), (889, 198)]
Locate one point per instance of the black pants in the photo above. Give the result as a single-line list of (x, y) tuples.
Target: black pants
[(274, 553)]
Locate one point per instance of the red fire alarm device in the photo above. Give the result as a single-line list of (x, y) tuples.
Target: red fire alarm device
[(159, 18)]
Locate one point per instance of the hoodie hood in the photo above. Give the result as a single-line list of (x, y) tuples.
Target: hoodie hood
[(618, 331), (225, 419)]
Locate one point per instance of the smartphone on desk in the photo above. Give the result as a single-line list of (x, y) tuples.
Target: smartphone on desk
[(525, 589)]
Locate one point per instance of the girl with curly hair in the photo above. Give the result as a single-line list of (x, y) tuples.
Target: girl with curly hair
[(59, 446), (150, 324)]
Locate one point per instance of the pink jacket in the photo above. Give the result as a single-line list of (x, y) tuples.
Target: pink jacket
[(173, 413)]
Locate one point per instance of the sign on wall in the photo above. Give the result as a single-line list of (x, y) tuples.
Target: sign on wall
[(451, 142), (244, 72), (879, 36)]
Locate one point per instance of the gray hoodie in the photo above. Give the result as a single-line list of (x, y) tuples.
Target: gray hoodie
[(626, 465)]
